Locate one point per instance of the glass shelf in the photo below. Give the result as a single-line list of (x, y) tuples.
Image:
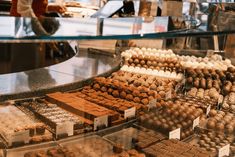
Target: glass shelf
[(27, 29)]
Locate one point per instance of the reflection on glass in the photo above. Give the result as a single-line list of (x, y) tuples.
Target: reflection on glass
[(117, 26), (7, 26), (92, 28), (77, 27), (44, 26)]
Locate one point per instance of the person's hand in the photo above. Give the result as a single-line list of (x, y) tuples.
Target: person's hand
[(56, 8)]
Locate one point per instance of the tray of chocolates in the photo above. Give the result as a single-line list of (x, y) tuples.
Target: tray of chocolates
[(134, 137), (229, 103), (199, 103), (222, 80), (173, 147), (152, 58), (129, 153), (108, 101), (91, 146), (53, 116), (210, 95), (51, 152), (96, 146), (161, 85), (42, 150), (161, 74), (19, 129), (172, 116), (82, 107), (118, 89), (72, 152), (212, 141), (221, 121)]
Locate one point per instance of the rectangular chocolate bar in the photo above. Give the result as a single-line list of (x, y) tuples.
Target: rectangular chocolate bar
[(81, 106)]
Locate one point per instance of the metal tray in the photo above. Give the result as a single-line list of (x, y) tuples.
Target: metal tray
[(19, 152), (196, 138), (125, 136), (92, 146)]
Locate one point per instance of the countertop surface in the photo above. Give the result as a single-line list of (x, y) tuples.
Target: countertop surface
[(68, 75)]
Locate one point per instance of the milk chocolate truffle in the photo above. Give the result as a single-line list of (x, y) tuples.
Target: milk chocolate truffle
[(149, 63), (220, 126), (123, 94), (150, 98), (129, 97), (153, 87), (130, 61), (158, 105), (115, 93), (144, 95), (145, 101), (203, 83), (136, 93), (211, 124), (142, 62), (212, 113), (196, 82), (110, 90), (103, 89), (136, 61), (136, 99), (229, 129), (96, 86)]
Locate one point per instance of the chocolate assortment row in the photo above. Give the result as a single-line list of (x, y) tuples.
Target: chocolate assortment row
[(212, 141), (14, 121), (148, 53), (135, 137), (153, 72), (221, 121), (122, 90), (88, 147), (165, 64), (172, 147), (94, 146), (152, 82), (52, 152), (229, 103), (146, 138), (210, 94), (207, 79), (129, 153), (140, 94), (81, 107), (106, 100), (197, 102), (211, 61), (51, 114), (171, 117)]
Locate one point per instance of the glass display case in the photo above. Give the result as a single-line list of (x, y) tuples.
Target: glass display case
[(133, 86)]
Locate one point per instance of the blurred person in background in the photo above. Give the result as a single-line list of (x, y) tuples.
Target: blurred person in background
[(34, 8)]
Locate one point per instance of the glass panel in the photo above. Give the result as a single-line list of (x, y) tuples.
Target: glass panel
[(199, 23)]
